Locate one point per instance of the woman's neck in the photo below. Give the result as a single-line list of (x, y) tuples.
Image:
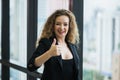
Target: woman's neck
[(61, 41)]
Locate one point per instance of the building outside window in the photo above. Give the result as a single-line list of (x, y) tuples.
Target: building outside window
[(101, 38)]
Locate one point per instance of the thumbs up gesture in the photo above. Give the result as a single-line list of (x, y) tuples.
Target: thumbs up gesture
[(54, 49)]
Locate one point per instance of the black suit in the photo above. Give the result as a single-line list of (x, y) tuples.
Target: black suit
[(53, 67)]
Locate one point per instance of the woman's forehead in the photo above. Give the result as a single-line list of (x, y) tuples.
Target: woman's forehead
[(62, 18)]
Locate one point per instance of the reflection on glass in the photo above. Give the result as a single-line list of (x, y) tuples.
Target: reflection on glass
[(18, 32), (17, 75), (101, 38)]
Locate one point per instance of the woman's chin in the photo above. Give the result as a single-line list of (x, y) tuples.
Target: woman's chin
[(61, 36)]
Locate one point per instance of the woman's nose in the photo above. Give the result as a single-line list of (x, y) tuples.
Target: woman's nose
[(62, 27)]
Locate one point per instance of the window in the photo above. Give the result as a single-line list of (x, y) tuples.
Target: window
[(17, 75), (18, 31), (101, 38), (0, 28), (18, 36), (0, 35)]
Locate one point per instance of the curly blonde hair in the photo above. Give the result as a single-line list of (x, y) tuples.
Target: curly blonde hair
[(72, 35)]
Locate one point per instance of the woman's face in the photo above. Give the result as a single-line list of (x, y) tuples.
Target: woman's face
[(61, 26)]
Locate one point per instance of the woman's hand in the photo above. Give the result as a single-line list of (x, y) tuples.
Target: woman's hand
[(54, 49)]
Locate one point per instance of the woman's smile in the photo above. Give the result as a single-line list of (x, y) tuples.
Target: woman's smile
[(62, 32), (61, 26)]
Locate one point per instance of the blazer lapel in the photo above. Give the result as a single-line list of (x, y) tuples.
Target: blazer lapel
[(74, 52)]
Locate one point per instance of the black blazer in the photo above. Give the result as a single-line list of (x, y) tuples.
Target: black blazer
[(53, 67)]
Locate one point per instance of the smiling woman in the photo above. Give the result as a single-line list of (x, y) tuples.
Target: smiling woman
[(21, 22), (57, 47)]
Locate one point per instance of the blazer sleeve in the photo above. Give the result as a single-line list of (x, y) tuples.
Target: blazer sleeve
[(39, 51)]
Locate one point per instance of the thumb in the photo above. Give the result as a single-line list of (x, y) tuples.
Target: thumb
[(54, 41)]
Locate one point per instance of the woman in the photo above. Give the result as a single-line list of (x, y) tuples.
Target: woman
[(56, 48)]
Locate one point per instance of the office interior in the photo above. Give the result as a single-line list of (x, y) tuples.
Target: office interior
[(21, 23)]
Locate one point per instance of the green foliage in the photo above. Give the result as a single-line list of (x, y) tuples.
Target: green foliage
[(92, 75)]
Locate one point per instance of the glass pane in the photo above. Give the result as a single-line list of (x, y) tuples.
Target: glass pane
[(0, 28), (18, 31), (0, 37), (17, 75), (45, 8), (101, 40)]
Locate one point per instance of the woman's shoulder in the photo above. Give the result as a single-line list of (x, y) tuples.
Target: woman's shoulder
[(73, 45), (69, 43), (45, 41)]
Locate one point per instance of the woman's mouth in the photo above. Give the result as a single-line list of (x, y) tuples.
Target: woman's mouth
[(61, 32)]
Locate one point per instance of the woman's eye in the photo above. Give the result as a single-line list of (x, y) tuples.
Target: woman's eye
[(65, 24), (57, 24)]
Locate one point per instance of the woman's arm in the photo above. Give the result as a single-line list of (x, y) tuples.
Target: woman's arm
[(42, 59), (40, 56), (53, 51)]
